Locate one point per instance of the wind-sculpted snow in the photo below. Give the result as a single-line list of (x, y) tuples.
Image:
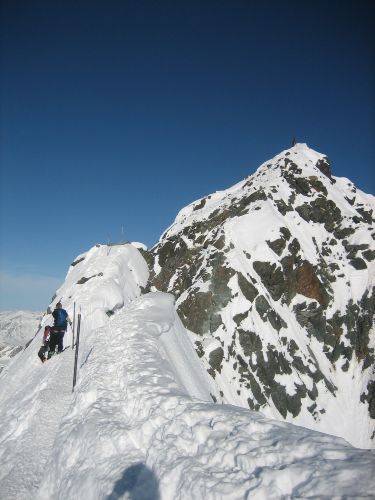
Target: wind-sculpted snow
[(140, 424), (101, 281), (275, 278)]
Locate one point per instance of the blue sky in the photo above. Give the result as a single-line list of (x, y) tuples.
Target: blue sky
[(117, 114)]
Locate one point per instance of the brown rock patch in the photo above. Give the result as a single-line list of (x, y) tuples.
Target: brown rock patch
[(308, 284)]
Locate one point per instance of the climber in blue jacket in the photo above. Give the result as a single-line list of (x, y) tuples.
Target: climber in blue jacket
[(60, 325)]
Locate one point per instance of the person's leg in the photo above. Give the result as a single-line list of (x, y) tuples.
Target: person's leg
[(60, 346), (42, 353), (53, 341)]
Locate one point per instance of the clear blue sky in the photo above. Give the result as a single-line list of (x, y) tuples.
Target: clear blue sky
[(119, 113)]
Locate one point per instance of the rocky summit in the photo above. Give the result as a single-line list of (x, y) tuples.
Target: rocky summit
[(274, 278)]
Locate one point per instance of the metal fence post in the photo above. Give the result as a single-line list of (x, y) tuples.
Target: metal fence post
[(76, 353), (74, 322)]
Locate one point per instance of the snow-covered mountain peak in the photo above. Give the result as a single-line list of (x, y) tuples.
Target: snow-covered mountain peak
[(275, 277), (288, 167), (300, 152)]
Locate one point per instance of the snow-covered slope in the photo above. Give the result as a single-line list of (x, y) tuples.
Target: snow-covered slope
[(140, 423), (274, 277), (16, 329)]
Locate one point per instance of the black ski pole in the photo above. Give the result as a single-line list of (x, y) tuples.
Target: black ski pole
[(74, 321), (76, 353)]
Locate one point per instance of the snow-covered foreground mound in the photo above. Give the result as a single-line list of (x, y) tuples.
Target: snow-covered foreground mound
[(135, 426)]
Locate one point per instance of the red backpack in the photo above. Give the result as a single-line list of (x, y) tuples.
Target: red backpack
[(46, 333)]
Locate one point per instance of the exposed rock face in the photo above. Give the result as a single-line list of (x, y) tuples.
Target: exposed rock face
[(308, 284), (274, 277)]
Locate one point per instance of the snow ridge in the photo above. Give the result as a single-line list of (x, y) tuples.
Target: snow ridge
[(134, 428)]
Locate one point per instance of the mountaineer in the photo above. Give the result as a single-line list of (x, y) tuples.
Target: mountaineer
[(61, 319)]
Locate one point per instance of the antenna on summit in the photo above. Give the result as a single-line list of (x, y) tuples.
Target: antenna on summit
[(108, 245)]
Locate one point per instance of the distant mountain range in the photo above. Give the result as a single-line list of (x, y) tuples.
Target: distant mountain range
[(16, 329)]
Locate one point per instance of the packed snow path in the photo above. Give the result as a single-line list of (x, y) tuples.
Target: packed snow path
[(32, 403), (133, 429)]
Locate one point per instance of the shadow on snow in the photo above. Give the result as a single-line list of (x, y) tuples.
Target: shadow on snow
[(139, 482)]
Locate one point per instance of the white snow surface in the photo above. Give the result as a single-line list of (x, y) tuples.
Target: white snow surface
[(140, 423)]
